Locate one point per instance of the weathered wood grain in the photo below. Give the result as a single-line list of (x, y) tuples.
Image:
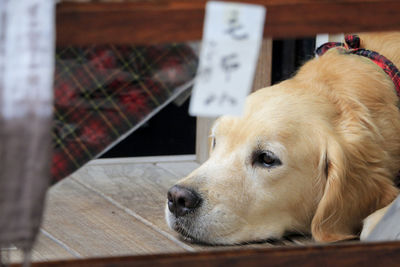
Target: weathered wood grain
[(179, 169), (146, 22), (94, 227), (45, 249), (262, 76), (142, 188), (139, 189)]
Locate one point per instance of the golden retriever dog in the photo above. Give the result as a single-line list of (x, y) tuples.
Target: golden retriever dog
[(316, 154)]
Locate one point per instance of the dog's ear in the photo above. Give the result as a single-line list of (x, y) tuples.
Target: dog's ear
[(353, 190)]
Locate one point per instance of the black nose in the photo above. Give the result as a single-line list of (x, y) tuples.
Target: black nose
[(182, 200)]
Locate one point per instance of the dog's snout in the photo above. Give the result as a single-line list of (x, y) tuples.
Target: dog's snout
[(182, 200)]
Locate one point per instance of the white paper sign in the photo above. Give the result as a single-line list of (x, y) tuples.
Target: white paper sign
[(232, 37)]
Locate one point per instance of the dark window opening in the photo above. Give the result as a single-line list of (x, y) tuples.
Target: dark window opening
[(170, 132)]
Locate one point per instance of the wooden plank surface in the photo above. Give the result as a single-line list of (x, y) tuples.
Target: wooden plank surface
[(179, 169), (48, 249), (92, 226), (140, 189), (148, 21), (45, 249)]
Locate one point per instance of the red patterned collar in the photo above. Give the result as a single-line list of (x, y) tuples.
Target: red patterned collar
[(352, 46)]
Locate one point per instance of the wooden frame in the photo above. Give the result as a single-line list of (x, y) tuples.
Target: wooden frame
[(182, 20), (146, 21), (344, 254)]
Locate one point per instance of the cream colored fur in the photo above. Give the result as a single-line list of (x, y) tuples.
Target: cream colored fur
[(335, 126)]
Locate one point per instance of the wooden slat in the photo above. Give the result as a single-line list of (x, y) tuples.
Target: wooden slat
[(45, 249), (141, 188), (179, 169), (145, 21), (92, 226), (149, 159), (375, 254)]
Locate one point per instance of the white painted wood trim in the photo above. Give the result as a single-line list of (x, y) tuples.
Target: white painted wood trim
[(324, 38), (151, 159), (203, 126)]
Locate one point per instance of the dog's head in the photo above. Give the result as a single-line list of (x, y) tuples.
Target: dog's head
[(289, 164)]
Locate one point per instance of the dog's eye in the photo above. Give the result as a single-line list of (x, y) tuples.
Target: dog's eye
[(268, 159)]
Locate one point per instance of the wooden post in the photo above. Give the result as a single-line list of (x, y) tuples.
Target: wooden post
[(262, 77), (203, 127)]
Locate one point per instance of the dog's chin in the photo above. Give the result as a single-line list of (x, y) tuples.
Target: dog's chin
[(186, 229), (186, 236), (196, 237), (190, 230)]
